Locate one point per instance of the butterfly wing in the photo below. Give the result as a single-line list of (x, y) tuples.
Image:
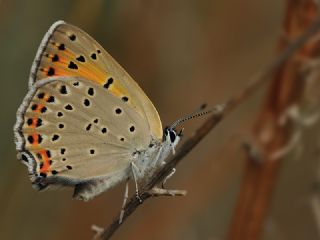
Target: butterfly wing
[(71, 131), (68, 51)]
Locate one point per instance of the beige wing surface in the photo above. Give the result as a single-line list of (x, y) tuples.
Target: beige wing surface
[(72, 129), (66, 50)]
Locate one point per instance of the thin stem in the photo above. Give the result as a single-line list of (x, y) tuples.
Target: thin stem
[(273, 139)]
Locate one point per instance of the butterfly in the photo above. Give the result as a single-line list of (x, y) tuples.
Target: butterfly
[(85, 122)]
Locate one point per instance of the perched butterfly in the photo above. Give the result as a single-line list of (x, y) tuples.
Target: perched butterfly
[(84, 121)]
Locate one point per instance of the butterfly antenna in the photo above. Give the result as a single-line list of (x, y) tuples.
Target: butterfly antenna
[(188, 117), (198, 113)]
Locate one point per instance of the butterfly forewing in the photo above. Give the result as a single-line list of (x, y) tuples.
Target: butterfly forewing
[(68, 51), (77, 130)]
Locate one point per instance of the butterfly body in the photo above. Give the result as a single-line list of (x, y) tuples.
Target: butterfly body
[(85, 122)]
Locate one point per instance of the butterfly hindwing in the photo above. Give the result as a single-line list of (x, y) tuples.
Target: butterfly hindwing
[(72, 130), (68, 51)]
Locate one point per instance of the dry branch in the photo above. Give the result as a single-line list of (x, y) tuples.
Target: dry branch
[(219, 112), (275, 140)]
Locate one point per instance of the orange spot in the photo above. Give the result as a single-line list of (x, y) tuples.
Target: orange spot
[(35, 139), (116, 90), (61, 60), (39, 108), (91, 75), (46, 97), (46, 161), (34, 122)]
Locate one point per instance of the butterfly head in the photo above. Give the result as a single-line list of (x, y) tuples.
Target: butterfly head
[(171, 136)]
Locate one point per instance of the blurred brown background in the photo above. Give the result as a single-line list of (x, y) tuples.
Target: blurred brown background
[(182, 53)]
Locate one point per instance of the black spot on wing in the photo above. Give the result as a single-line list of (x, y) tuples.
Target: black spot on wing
[(118, 111), (94, 56), (108, 83), (68, 107), (62, 47), (72, 37), (51, 71), (91, 91), (86, 102), (132, 128), (125, 99), (72, 65), (63, 89), (81, 59), (55, 137), (55, 58), (50, 99)]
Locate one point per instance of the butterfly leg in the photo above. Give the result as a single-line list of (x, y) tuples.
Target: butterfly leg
[(173, 150), (169, 176), (135, 170), (125, 198)]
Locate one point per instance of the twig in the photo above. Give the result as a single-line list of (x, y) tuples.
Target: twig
[(158, 192), (220, 111)]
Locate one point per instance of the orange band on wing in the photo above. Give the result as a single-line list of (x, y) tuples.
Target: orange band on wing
[(45, 167), (35, 139)]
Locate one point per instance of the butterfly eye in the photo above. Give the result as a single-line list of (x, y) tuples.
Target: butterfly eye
[(172, 135)]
